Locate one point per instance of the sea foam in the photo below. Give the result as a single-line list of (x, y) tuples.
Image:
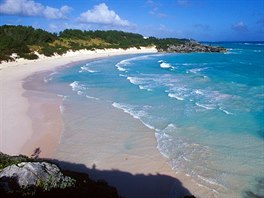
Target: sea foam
[(205, 106), (49, 77), (225, 111), (165, 65), (175, 96), (87, 69), (78, 87), (197, 70), (129, 109), (120, 66), (126, 62), (137, 114), (91, 97), (134, 80)]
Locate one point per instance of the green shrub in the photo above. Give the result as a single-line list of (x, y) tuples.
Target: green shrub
[(56, 183), (4, 57), (30, 56), (6, 160), (48, 51)]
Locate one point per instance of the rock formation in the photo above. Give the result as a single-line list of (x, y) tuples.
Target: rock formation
[(21, 176), (33, 174), (192, 46)]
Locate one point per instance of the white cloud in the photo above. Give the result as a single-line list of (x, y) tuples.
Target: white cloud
[(100, 14), (32, 8), (54, 13), (240, 27), (21, 7)]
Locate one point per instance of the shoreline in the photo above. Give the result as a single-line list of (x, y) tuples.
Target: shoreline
[(44, 111), (25, 107), (14, 107)]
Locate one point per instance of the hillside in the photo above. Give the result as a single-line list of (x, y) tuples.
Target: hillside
[(25, 41)]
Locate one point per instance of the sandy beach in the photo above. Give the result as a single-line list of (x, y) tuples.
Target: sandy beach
[(31, 119), (16, 126), (145, 99)]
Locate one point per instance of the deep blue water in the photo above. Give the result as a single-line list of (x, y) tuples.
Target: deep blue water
[(207, 109)]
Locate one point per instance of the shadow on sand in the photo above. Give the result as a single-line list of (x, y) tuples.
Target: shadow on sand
[(132, 186)]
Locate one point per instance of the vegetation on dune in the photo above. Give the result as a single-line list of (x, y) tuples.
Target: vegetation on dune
[(24, 41), (163, 44), (17, 39)]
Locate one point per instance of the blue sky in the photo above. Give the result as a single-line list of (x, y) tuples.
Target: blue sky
[(203, 20)]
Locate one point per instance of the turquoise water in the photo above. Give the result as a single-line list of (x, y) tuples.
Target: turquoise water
[(206, 108)]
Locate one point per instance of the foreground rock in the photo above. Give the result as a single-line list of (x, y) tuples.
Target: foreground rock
[(21, 176), (33, 174)]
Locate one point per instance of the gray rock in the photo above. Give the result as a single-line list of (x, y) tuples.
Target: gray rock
[(193, 47), (33, 174)]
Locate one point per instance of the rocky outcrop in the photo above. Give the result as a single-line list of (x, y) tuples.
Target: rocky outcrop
[(192, 46), (21, 176), (33, 174)]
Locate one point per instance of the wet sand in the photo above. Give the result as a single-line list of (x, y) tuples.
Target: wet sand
[(44, 111)]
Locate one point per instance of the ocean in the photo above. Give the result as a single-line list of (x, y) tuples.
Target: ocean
[(206, 109)]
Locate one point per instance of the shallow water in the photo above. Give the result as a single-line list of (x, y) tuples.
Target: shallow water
[(206, 108)]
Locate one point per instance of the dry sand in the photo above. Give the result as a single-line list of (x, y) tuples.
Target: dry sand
[(30, 120)]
